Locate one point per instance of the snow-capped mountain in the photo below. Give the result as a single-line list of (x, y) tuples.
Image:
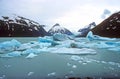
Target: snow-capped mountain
[(58, 29), (84, 31), (17, 26), (110, 27)]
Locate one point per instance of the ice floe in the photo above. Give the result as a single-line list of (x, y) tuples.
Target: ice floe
[(91, 37), (3, 76), (60, 37), (28, 45), (83, 51), (31, 55), (74, 66), (12, 54), (52, 74), (31, 50), (9, 45), (75, 58), (30, 73)]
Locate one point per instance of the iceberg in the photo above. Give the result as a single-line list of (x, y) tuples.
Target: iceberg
[(44, 45), (74, 66), (74, 51), (12, 54), (30, 73), (66, 43), (117, 49), (31, 55), (52, 74), (28, 45), (47, 41), (75, 58), (31, 50), (9, 45), (95, 44), (2, 77), (92, 37), (60, 37)]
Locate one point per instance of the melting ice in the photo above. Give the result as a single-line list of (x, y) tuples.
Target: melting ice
[(63, 45)]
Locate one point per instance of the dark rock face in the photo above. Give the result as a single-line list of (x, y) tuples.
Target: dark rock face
[(20, 27), (84, 31), (110, 27), (58, 29)]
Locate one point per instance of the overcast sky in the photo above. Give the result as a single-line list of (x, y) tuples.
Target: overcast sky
[(72, 14)]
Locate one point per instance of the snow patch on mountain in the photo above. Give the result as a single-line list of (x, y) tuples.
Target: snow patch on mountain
[(58, 29)]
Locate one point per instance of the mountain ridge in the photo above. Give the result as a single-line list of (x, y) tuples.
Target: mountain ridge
[(20, 27), (58, 29), (110, 27)]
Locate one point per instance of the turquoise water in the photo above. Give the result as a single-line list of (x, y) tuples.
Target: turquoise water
[(104, 64)]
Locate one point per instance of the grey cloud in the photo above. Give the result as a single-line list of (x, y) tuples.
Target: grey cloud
[(105, 13)]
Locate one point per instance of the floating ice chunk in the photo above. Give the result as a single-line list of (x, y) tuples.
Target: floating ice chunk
[(115, 49), (71, 72), (12, 54), (68, 64), (28, 45), (45, 39), (31, 55), (113, 43), (74, 51), (30, 73), (112, 63), (66, 43), (15, 54), (111, 68), (46, 42), (91, 37), (42, 45), (103, 62), (74, 66), (103, 45), (84, 63), (60, 37), (3, 76), (10, 45), (75, 58), (31, 50), (96, 44), (52, 74), (7, 66)]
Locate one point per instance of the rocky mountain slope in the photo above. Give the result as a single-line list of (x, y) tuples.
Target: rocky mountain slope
[(84, 31), (110, 27), (18, 26)]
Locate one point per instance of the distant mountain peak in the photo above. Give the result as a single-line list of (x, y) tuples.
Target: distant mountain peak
[(58, 29), (84, 31)]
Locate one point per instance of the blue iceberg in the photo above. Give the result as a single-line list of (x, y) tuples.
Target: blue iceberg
[(9, 45), (27, 45), (12, 54), (91, 37), (47, 41), (31, 55), (60, 37)]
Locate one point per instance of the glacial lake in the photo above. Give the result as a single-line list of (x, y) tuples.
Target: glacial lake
[(102, 65)]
